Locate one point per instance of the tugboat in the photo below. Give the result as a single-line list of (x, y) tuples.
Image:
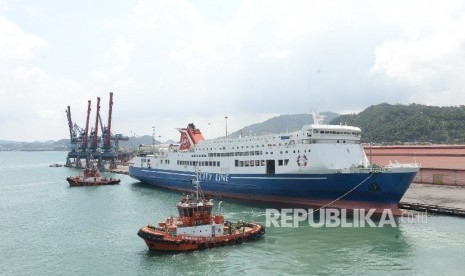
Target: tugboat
[(196, 228), (91, 177)]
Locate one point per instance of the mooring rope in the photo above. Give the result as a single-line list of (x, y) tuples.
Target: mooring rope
[(351, 190)]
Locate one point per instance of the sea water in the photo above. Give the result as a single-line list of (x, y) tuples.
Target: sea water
[(49, 228)]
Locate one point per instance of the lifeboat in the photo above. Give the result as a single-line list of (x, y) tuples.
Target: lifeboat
[(196, 228), (91, 177)]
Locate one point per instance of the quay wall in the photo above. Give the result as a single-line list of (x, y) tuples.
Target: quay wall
[(439, 164)]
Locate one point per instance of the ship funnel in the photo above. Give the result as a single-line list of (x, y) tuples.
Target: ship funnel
[(189, 137)]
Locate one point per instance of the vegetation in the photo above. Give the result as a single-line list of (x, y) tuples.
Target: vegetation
[(394, 124), (281, 124)]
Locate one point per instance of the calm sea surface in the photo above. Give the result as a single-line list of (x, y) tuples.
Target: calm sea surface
[(48, 228)]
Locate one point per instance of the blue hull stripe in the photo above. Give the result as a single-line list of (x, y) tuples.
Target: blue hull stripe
[(280, 178), (379, 188)]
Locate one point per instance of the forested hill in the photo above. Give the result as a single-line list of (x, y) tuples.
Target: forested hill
[(280, 124), (386, 123)]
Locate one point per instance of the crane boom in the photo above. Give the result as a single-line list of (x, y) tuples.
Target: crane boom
[(86, 131), (97, 114), (108, 134), (70, 124)]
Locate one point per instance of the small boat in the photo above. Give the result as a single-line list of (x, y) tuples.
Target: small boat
[(91, 177), (196, 228), (56, 165)]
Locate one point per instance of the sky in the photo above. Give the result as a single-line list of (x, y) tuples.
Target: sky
[(170, 63)]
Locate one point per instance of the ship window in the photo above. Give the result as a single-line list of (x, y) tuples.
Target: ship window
[(286, 161), (210, 163), (257, 163), (246, 163), (262, 162), (251, 163), (241, 163)]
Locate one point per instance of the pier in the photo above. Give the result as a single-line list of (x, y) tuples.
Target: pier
[(434, 198)]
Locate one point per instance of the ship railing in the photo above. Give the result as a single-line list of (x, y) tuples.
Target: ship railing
[(365, 170), (396, 164)]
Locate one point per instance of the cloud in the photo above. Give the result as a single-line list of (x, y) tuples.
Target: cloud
[(275, 54), (4, 5), (429, 56), (174, 62), (15, 43), (116, 60)]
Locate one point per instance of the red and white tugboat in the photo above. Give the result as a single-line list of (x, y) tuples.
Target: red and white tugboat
[(91, 177), (196, 228)]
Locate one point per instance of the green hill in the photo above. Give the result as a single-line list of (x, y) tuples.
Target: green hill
[(282, 123), (386, 123)]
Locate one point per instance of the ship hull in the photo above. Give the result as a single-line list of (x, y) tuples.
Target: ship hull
[(79, 182), (355, 190)]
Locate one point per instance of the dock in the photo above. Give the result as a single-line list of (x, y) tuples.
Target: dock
[(437, 199), (435, 209)]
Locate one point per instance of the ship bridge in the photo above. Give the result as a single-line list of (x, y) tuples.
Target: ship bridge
[(331, 133)]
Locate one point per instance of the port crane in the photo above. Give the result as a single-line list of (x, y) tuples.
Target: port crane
[(87, 144)]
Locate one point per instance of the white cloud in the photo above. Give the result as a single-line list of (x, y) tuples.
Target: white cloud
[(117, 59), (120, 52), (4, 5), (15, 43), (275, 54), (429, 56), (171, 62)]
